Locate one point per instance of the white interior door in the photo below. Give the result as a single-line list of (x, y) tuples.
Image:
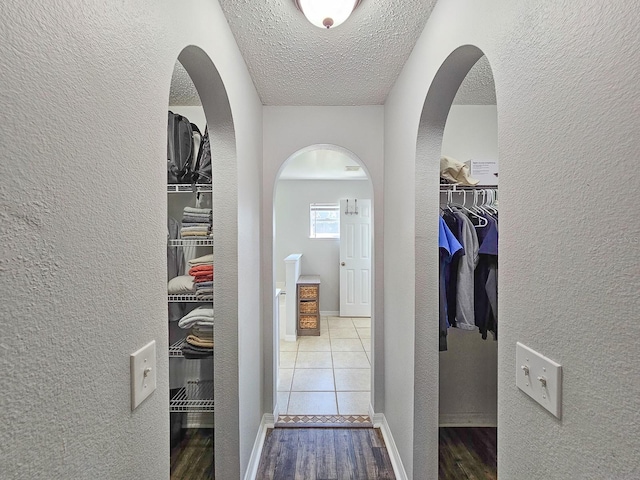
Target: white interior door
[(355, 258)]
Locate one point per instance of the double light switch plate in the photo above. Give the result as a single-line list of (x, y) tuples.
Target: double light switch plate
[(540, 378)]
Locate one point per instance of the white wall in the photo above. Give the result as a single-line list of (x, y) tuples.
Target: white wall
[(321, 256), (471, 132), (357, 129), (566, 81), (469, 368), (83, 213)]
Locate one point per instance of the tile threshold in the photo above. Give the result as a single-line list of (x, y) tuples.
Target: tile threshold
[(323, 421)]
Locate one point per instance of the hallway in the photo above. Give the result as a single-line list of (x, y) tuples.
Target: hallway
[(324, 453)]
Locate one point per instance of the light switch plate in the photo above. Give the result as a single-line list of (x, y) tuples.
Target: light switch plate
[(540, 378), (143, 373)]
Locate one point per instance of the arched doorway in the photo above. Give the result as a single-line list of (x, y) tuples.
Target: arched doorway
[(216, 114), (318, 177), (435, 113)]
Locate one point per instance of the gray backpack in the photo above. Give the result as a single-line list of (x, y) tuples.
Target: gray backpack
[(180, 149), (202, 170)]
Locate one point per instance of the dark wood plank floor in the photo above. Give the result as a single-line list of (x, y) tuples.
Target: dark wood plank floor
[(324, 454), (467, 453), (192, 458)]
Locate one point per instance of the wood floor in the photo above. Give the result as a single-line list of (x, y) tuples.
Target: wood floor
[(192, 458), (340, 453), (324, 454), (467, 453)]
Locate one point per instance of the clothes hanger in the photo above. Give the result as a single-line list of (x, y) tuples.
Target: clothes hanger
[(489, 202), (482, 222)]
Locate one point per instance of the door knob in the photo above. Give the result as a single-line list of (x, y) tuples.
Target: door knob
[(342, 264)]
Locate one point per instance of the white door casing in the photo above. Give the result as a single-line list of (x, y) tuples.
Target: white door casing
[(355, 258)]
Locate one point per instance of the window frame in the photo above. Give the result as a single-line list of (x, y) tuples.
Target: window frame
[(315, 207)]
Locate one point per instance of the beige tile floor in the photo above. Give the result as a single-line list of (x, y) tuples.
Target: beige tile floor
[(329, 374)]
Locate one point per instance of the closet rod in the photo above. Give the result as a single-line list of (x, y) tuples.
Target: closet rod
[(444, 187)]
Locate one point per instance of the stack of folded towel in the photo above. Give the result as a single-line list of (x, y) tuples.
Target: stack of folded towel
[(202, 272), (199, 341), (196, 222)]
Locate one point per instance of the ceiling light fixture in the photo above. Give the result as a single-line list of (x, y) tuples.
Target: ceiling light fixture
[(327, 13)]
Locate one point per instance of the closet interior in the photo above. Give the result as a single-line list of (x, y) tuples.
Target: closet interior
[(190, 276), (468, 319)]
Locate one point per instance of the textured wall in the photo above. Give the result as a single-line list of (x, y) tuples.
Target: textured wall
[(359, 130), (321, 256), (566, 80), (83, 228)]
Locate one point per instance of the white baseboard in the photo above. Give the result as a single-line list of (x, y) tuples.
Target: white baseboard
[(254, 461), (376, 418), (394, 455), (290, 338), (468, 420), (329, 313)]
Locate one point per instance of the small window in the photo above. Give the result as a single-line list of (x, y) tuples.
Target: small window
[(325, 220)]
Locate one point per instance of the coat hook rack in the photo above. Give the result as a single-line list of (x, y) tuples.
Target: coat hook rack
[(355, 209)]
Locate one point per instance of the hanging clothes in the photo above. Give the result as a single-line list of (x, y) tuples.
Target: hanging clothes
[(449, 247), (451, 272), (488, 252), (465, 306)]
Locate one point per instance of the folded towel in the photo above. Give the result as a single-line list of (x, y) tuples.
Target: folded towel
[(203, 260), (193, 353), (203, 331), (199, 342), (195, 234), (194, 321), (200, 228), (205, 293), (201, 270), (197, 215), (201, 285), (204, 337), (191, 219), (181, 284), (208, 211), (196, 224), (202, 315), (203, 277)]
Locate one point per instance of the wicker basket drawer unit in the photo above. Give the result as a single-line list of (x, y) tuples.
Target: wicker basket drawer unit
[(308, 298), (308, 292)]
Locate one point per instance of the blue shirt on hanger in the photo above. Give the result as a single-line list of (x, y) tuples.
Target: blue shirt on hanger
[(448, 246)]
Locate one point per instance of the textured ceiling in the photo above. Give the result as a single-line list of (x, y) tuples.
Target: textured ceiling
[(183, 91), (294, 63), (478, 87)]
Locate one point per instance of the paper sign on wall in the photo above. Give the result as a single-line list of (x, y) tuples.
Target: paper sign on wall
[(486, 171)]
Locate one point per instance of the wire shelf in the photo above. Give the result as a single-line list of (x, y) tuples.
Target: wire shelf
[(175, 350), (191, 242), (190, 298), (188, 188), (454, 187), (195, 397)]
